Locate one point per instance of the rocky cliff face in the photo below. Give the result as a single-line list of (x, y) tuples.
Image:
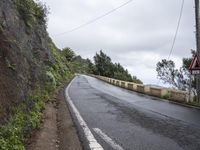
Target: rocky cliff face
[(24, 52)]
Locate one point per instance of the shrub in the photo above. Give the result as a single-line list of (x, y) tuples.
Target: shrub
[(51, 79), (166, 96), (14, 133), (32, 12)]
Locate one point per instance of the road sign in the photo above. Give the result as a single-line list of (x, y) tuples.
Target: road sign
[(194, 72), (195, 66)]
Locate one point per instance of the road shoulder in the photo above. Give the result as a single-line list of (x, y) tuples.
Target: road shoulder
[(67, 132), (57, 131)]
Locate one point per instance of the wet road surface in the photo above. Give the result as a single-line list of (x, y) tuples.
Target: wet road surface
[(121, 119)]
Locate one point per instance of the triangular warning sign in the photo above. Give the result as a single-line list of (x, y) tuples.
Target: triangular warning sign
[(195, 65)]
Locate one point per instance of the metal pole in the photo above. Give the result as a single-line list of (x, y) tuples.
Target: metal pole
[(190, 88), (197, 45)]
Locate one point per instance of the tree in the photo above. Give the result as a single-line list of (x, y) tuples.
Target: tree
[(103, 64), (105, 67), (68, 54), (91, 66), (121, 73), (178, 78), (136, 80)]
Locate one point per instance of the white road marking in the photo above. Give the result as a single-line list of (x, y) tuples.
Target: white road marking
[(93, 144), (107, 139)]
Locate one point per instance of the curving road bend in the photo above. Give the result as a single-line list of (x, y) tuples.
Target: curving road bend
[(124, 120)]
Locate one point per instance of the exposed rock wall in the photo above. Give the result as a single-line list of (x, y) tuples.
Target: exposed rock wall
[(24, 54)]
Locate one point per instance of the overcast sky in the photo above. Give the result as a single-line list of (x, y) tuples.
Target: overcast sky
[(137, 35)]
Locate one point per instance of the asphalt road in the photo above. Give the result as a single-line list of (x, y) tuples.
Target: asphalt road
[(121, 119)]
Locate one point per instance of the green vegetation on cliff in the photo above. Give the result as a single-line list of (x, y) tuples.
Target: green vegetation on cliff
[(27, 116), (36, 68), (32, 12)]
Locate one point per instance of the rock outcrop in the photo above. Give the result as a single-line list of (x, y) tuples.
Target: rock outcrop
[(24, 52)]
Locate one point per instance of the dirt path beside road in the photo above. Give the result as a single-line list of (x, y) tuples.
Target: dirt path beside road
[(57, 131)]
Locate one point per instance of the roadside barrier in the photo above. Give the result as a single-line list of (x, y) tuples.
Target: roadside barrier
[(165, 93)]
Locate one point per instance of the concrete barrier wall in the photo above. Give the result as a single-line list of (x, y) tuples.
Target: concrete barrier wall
[(123, 84), (175, 95), (130, 86), (140, 88), (179, 96), (155, 91)]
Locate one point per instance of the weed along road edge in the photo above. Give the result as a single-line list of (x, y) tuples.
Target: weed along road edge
[(109, 117)]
